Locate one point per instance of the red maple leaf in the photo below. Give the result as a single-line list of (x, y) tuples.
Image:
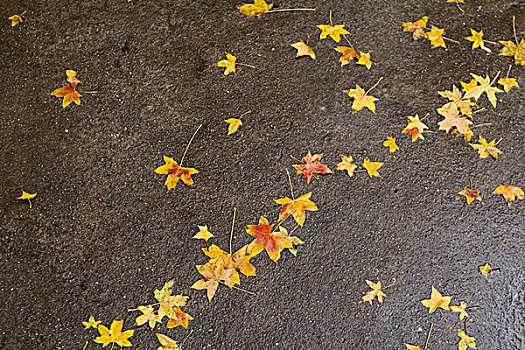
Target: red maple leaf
[(273, 242), (310, 165)]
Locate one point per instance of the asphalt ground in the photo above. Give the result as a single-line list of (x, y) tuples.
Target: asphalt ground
[(103, 231)]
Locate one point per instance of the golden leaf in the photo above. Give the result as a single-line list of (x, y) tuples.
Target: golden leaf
[(436, 301), (347, 164), (361, 99), (390, 142), (203, 233), (303, 49), (372, 167)]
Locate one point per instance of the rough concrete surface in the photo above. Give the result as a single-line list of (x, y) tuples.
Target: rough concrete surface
[(71, 255)]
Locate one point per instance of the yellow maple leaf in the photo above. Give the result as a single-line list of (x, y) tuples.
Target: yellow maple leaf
[(175, 173), (436, 301), (364, 59), (234, 125), (457, 101), (27, 196), (453, 119), (485, 269), (435, 35), (415, 128), (228, 63), (347, 164), (417, 28), (390, 142), (148, 315), (179, 319), (114, 334), (485, 148), (334, 32), (477, 40), (167, 301), (347, 54), (412, 347), (361, 99), (461, 308), (512, 49), (509, 192), (91, 323), (465, 341), (296, 207), (258, 8), (303, 49), (203, 233), (484, 87), (15, 19), (508, 83), (166, 342), (375, 292), (372, 167), (72, 76), (470, 195)]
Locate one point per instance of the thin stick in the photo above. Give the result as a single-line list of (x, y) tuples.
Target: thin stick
[(374, 85), (282, 10), (235, 287), (443, 315), (129, 310), (390, 285), (508, 71), (297, 160), (333, 24), (30, 206), (491, 42), (181, 345), (484, 124), (242, 115), (511, 184), (428, 335), (290, 181), (85, 346), (188, 146), (233, 223), (246, 65), (452, 40), (292, 231), (278, 224), (514, 28)]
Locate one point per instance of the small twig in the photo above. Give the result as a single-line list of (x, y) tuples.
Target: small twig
[(295, 228), (290, 181), (333, 24), (30, 206), (181, 345), (233, 223), (443, 315), (112, 346), (514, 28), (459, 7), (508, 71), (235, 287), (282, 10), (348, 41), (479, 110), (452, 40), (478, 125), (465, 323), (510, 184), (366, 93), (188, 146), (246, 65), (491, 42), (428, 335)]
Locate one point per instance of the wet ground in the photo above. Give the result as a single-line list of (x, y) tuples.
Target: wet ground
[(72, 255)]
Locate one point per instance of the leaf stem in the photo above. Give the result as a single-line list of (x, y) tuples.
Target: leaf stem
[(496, 77), (348, 41), (235, 287), (498, 142), (333, 24), (479, 110), (181, 345), (366, 93), (459, 7), (233, 223), (484, 124), (426, 115), (297, 160), (30, 206), (85, 346), (246, 65), (514, 28), (283, 10), (188, 146), (290, 181), (88, 92), (129, 310), (428, 335), (508, 71), (242, 115), (390, 285), (510, 184), (443, 315)]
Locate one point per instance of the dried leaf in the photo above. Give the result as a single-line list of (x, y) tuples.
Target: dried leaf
[(203, 233), (148, 315), (485, 148), (484, 87), (391, 144), (453, 119), (234, 125), (417, 28), (466, 341), (26, 195), (511, 49), (311, 165), (470, 195), (509, 192), (303, 49), (265, 239), (166, 342), (228, 63), (167, 301), (347, 164), (91, 323), (175, 173), (436, 301), (477, 40), (485, 269), (361, 99), (364, 59), (347, 54), (375, 292), (415, 128), (372, 167), (179, 318), (412, 347), (296, 207), (213, 272), (114, 334), (435, 35), (461, 308), (334, 32), (15, 19), (258, 8), (508, 83), (456, 101), (72, 77), (69, 94)]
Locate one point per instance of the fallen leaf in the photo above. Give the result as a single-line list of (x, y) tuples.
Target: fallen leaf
[(485, 269), (508, 83), (456, 101), (415, 128), (296, 207), (148, 315), (228, 63), (361, 99), (347, 54), (114, 334), (417, 28), (203, 233), (334, 32), (465, 341), (239, 260), (234, 125), (364, 59), (477, 40), (175, 173), (180, 318), (347, 164), (265, 239), (470, 195), (412, 347), (483, 87), (258, 8), (511, 49), (436, 301), (69, 94), (72, 77), (391, 144), (167, 301), (375, 292), (91, 323), (213, 272), (166, 342), (372, 167), (303, 49), (461, 308), (311, 165), (485, 148), (468, 86), (435, 35), (453, 119), (15, 19), (27, 196), (509, 192)]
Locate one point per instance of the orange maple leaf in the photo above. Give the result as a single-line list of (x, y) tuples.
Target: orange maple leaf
[(15, 19), (310, 165), (213, 272), (417, 28), (415, 128), (69, 93), (470, 195), (296, 207), (347, 54), (509, 192), (175, 173), (179, 318), (273, 242)]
